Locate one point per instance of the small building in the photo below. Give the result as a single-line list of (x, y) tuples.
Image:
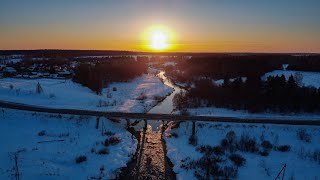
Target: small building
[(65, 74), (9, 71)]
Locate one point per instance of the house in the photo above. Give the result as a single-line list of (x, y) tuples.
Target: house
[(65, 73), (9, 71), (2, 66)]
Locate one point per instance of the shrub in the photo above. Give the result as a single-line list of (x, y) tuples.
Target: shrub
[(264, 153), (284, 148), (237, 159), (114, 89), (208, 150), (114, 140), (247, 144), (229, 142), (175, 135), (303, 135), (39, 89), (157, 98), (204, 149), (42, 133), (103, 151), (11, 86), (266, 145), (109, 133), (106, 142), (141, 97), (218, 150), (81, 159), (224, 143), (229, 172), (316, 156), (231, 137)]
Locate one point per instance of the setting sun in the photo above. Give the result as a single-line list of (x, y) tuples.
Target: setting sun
[(159, 40)]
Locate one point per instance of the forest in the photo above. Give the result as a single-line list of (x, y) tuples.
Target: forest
[(276, 94), (99, 74)]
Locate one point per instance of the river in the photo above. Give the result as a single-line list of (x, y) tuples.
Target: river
[(164, 107), (151, 161)]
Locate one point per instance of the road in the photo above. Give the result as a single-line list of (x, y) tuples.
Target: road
[(166, 117)]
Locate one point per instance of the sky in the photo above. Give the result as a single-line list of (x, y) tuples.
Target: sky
[(195, 25)]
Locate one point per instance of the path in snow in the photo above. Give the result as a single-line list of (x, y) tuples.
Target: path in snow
[(151, 161)]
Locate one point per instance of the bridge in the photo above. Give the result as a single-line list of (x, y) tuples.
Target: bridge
[(166, 117)]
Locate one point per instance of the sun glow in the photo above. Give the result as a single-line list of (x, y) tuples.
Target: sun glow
[(158, 38)]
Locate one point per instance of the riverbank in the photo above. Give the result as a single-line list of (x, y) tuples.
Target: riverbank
[(138, 95), (151, 161)]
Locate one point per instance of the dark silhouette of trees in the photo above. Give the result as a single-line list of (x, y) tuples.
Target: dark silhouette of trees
[(276, 94), (101, 73)]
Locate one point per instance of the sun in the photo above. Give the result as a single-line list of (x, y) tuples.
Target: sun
[(159, 40)]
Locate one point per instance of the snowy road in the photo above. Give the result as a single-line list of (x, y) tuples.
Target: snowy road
[(168, 117)]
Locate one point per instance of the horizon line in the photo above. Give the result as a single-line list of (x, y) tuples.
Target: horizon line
[(162, 52)]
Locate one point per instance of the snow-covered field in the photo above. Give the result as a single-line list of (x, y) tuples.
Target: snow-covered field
[(309, 78), (138, 95), (47, 146), (303, 158)]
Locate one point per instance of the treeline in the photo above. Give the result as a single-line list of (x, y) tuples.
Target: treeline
[(218, 67), (235, 65), (99, 74), (305, 63), (61, 53), (276, 94)]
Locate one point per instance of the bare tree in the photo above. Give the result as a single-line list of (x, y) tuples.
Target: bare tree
[(39, 89)]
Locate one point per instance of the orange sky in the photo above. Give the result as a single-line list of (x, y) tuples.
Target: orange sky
[(209, 26)]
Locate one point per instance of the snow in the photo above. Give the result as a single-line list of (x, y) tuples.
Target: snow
[(13, 61), (153, 70), (309, 78), (9, 70), (169, 64), (67, 94), (56, 160), (299, 163), (285, 66)]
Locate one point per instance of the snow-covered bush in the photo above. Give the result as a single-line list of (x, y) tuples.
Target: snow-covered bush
[(266, 145), (283, 148), (113, 140), (81, 159), (237, 159), (103, 151), (42, 133), (247, 144), (303, 135)]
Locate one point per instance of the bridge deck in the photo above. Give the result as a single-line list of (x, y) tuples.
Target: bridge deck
[(167, 117)]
